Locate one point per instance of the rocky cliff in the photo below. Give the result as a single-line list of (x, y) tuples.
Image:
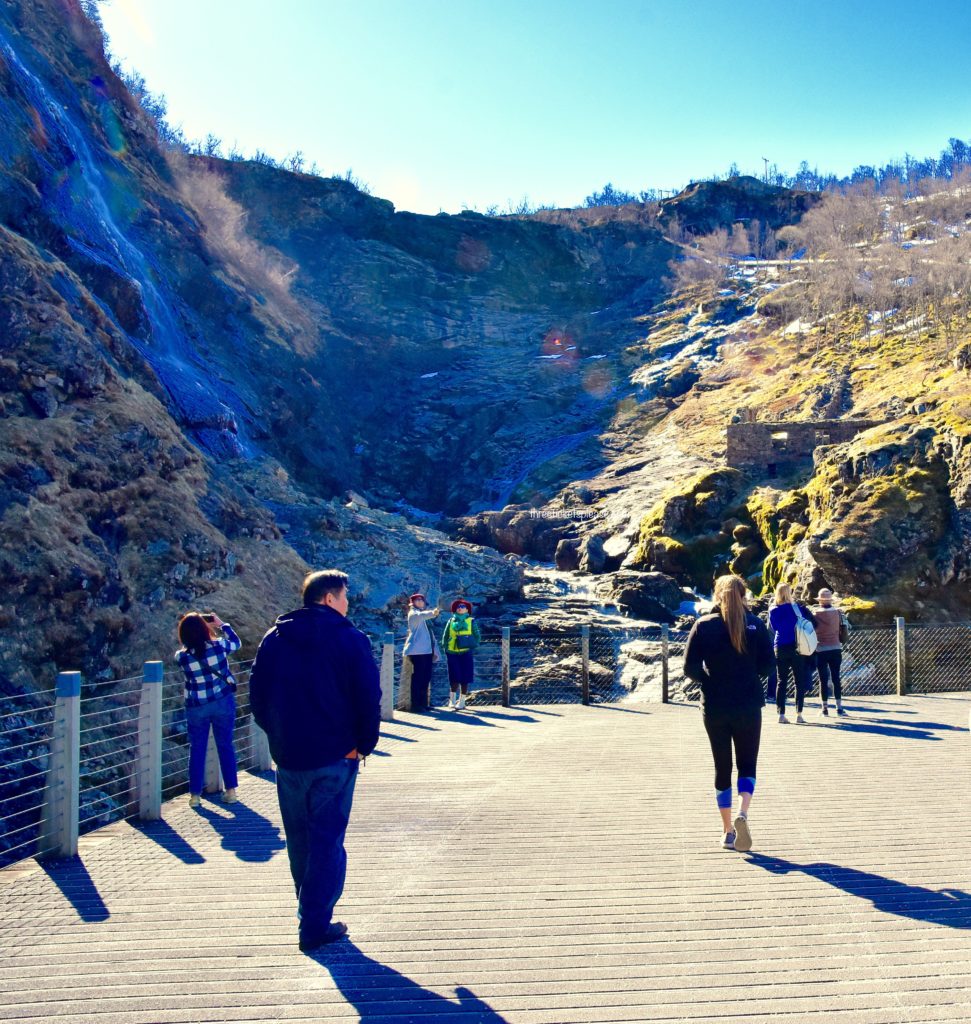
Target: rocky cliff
[(215, 375), (199, 360)]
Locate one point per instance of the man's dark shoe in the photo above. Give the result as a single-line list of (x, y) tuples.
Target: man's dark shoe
[(334, 931)]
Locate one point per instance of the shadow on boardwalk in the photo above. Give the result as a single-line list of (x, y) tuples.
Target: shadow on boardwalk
[(379, 993), (950, 908), (72, 878)]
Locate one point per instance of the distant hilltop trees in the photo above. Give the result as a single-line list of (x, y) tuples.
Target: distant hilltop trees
[(894, 255)]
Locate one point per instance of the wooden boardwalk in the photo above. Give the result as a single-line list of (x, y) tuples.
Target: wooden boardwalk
[(555, 864)]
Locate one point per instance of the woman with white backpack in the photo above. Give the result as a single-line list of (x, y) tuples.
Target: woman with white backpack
[(793, 628)]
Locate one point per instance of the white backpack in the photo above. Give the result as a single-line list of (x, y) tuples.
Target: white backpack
[(805, 634)]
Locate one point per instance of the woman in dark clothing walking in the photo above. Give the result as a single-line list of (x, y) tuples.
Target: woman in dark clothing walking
[(727, 653), (783, 616)]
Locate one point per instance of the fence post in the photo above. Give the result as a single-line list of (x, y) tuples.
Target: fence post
[(61, 811), (901, 656), (387, 678), (150, 743), (585, 662), (665, 652), (259, 747), (404, 685), (506, 632), (214, 777)]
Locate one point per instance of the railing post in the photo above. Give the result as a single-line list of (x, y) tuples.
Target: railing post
[(585, 664), (259, 747), (506, 632), (61, 800), (901, 656), (150, 743), (404, 685), (387, 678), (665, 654), (213, 782)]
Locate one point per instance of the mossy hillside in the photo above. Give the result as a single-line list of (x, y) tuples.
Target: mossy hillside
[(691, 533), (815, 528)]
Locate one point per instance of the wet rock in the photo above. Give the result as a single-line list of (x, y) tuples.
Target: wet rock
[(567, 557), (593, 558), (644, 595)]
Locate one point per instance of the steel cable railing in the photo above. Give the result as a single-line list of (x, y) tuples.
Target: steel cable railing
[(26, 733)]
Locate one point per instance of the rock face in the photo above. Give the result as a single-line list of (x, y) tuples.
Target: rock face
[(644, 595), (179, 424), (705, 206)]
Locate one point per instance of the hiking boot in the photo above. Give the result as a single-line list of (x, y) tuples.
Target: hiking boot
[(229, 796), (783, 720), (743, 837), (334, 931), (195, 800), (799, 719), (728, 842)]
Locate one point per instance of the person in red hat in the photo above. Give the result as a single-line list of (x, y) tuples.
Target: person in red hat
[(420, 649), (460, 639)]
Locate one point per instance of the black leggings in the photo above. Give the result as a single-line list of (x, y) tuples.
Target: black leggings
[(828, 664), (789, 662), (744, 728), (421, 674)]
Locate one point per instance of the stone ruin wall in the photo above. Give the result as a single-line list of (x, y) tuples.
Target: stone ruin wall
[(782, 444)]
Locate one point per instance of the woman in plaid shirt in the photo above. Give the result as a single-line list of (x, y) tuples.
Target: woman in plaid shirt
[(210, 697)]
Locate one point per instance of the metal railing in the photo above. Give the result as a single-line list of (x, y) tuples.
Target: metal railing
[(81, 755)]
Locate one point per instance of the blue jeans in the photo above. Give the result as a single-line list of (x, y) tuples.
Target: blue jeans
[(316, 806), (220, 714)]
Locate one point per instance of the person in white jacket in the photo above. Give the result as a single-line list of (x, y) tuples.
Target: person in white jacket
[(420, 648)]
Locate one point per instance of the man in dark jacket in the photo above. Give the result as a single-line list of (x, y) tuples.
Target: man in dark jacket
[(315, 691)]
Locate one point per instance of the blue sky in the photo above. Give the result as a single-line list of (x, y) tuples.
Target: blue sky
[(440, 104)]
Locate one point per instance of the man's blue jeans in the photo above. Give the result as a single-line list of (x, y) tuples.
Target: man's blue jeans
[(220, 714), (316, 807)]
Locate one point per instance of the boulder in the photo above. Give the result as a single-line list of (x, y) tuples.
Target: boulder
[(567, 556), (593, 558), (643, 595)]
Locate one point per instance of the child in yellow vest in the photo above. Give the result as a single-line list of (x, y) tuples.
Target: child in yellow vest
[(460, 638)]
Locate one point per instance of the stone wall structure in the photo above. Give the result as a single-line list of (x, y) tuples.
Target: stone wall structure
[(777, 447)]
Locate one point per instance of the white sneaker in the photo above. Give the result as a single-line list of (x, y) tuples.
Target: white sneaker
[(453, 700), (461, 704), (799, 719), (783, 720)]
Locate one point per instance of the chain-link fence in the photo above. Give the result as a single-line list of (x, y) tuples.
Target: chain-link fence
[(938, 657), (647, 662)]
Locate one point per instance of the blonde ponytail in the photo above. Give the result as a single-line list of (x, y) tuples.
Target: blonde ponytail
[(730, 598)]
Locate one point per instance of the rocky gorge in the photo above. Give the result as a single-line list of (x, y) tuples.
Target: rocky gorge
[(217, 374)]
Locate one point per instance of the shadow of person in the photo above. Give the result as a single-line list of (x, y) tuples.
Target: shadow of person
[(379, 992), (903, 731), (71, 876), (950, 908), (161, 832), (245, 832)]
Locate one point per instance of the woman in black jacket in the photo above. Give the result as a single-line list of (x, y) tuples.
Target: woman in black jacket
[(728, 652)]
